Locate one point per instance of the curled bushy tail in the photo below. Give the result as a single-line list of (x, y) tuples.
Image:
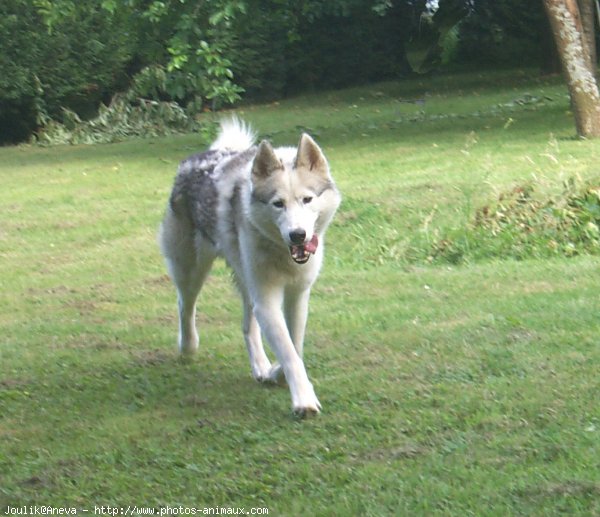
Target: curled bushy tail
[(234, 135)]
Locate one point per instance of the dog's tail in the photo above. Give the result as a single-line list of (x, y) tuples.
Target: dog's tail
[(234, 135)]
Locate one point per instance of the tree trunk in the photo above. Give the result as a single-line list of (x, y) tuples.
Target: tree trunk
[(568, 33), (550, 60), (587, 8)]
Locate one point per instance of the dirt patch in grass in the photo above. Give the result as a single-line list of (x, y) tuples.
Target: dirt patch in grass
[(570, 488)]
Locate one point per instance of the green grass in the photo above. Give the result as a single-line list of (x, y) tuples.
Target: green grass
[(447, 390)]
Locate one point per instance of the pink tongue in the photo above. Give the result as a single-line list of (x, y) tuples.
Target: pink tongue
[(311, 246)]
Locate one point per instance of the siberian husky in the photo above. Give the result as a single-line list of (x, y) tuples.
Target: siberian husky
[(265, 211)]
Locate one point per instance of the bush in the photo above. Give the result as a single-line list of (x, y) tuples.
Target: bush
[(122, 118), (520, 224), (76, 64), (501, 32)]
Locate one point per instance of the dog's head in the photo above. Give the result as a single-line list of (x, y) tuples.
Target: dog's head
[(295, 193)]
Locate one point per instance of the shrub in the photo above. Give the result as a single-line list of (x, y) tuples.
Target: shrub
[(520, 224), (122, 118)]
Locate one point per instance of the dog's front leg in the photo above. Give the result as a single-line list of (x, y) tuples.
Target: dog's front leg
[(259, 362), (295, 306), (273, 324)]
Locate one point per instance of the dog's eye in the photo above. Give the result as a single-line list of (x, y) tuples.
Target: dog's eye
[(306, 200), (278, 204)]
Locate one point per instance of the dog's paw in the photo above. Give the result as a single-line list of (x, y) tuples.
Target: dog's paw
[(306, 404), (272, 375), (276, 375), (307, 411), (187, 354), (261, 371), (261, 377), (188, 346)]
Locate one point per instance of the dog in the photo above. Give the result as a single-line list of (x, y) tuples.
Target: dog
[(265, 210)]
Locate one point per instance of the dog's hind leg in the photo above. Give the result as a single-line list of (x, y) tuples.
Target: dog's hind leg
[(188, 263), (188, 281)]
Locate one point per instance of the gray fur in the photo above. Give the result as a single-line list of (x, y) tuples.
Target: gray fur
[(195, 193)]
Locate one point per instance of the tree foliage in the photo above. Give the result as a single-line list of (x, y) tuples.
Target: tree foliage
[(504, 32), (70, 61), (78, 54)]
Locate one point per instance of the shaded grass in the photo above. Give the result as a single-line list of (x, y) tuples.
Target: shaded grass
[(446, 390)]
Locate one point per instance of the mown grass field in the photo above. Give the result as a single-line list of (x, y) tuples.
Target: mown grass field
[(447, 389)]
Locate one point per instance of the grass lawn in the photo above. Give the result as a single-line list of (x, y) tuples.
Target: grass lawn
[(447, 389)]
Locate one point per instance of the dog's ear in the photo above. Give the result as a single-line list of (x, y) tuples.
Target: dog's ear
[(310, 156), (265, 161)]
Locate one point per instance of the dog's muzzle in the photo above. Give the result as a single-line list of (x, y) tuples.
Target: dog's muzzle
[(301, 252)]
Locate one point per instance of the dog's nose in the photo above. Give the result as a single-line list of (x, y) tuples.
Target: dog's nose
[(298, 236)]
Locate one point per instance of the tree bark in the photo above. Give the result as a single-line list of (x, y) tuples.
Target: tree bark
[(550, 60), (587, 8), (566, 26)]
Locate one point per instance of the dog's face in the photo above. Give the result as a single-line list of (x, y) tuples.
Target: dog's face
[(294, 197)]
